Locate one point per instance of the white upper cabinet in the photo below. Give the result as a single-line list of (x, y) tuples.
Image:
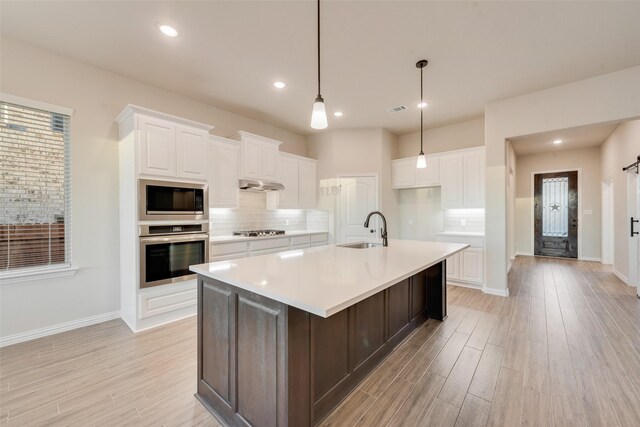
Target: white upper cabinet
[(451, 180), (473, 167), (191, 147), (288, 176), (298, 175), (258, 156), (307, 184), (224, 170), (405, 174), (462, 178), (429, 176), (166, 145), (157, 147)]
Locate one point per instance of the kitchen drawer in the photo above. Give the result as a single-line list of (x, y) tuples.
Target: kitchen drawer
[(319, 238), (164, 299), (219, 249), (226, 257), (300, 240), (260, 245), (303, 246)]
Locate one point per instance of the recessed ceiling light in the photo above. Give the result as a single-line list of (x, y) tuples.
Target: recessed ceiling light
[(168, 30), (557, 141), (279, 85), (423, 104), (338, 114)]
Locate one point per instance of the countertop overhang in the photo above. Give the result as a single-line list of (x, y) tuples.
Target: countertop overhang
[(327, 279)]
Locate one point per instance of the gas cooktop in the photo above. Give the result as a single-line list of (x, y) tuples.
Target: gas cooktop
[(258, 233)]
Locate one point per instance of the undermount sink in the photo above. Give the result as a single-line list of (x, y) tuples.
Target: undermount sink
[(360, 245)]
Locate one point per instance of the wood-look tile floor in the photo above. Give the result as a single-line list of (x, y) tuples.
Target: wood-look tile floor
[(563, 349)]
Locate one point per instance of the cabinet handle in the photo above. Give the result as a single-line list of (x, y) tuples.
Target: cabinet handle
[(633, 233)]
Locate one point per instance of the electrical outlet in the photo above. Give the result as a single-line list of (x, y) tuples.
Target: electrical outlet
[(463, 223), (286, 222)]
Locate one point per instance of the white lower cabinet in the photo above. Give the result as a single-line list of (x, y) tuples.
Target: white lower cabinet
[(222, 251), (466, 267)]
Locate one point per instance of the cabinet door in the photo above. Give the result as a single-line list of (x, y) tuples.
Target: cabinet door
[(270, 162), (472, 265), (252, 159), (403, 173), (157, 145), (473, 184), (451, 181), (453, 267), (429, 176), (224, 169), (288, 176), (307, 184), (191, 147)]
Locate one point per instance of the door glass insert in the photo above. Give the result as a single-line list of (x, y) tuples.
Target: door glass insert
[(555, 207)]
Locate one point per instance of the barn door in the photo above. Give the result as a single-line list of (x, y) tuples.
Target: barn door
[(556, 214)]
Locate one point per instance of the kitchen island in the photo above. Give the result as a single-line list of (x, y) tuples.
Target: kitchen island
[(283, 338)]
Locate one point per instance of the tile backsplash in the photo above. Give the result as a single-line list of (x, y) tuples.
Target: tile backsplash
[(469, 220), (253, 215)]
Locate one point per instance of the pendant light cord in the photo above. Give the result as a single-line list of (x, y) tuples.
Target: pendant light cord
[(319, 48), (421, 109)]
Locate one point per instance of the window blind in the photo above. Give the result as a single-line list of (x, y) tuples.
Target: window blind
[(34, 187)]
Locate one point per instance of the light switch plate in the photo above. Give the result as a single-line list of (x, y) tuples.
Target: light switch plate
[(463, 223)]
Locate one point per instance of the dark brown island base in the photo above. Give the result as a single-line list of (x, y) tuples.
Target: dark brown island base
[(265, 363)]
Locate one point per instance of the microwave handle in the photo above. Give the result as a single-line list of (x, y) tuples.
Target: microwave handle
[(174, 238)]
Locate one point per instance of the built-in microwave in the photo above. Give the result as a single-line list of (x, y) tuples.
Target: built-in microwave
[(167, 251), (169, 201)]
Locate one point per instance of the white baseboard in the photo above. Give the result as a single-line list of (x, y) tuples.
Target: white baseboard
[(621, 276), (496, 291), (465, 285), (590, 258), (524, 254), (56, 329)]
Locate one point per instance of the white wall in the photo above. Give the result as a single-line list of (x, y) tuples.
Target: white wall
[(586, 159), (97, 97), (446, 138), (619, 150), (607, 98)]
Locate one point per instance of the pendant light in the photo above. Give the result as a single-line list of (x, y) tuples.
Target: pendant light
[(319, 113), (422, 161)]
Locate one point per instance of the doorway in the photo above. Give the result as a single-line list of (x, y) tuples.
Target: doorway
[(556, 214), (607, 222), (358, 197)]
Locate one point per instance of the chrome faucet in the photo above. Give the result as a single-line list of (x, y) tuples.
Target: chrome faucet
[(383, 230)]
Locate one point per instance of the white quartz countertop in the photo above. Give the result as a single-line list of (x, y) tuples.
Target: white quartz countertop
[(461, 233), (226, 239), (327, 279)]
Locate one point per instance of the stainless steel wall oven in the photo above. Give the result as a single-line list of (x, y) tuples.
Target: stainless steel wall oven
[(167, 251)]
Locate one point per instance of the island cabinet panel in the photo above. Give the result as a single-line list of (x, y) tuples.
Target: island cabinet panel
[(264, 363), (399, 307), (367, 328), (215, 328), (418, 294), (258, 358)]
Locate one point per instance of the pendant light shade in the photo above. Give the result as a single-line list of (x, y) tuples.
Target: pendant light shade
[(422, 161), (319, 112)]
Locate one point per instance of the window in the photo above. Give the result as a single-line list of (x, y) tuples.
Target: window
[(555, 207), (34, 187)]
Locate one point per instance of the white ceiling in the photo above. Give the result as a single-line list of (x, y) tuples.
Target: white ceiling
[(230, 52), (580, 137)]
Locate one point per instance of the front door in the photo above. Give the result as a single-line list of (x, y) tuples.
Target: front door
[(358, 197), (556, 214)]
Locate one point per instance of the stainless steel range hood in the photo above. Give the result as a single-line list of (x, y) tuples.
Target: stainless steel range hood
[(258, 185)]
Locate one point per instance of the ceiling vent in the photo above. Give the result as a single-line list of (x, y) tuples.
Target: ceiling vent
[(397, 109)]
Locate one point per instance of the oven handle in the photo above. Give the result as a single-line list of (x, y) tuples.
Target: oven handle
[(174, 238)]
